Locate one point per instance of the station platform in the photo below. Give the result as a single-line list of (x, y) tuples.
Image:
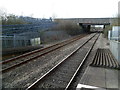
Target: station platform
[(96, 78), (102, 73)]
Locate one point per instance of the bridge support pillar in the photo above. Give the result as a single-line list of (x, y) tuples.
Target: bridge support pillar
[(104, 27), (86, 28)]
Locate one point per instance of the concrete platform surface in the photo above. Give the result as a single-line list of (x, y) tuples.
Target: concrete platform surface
[(98, 78), (101, 78)]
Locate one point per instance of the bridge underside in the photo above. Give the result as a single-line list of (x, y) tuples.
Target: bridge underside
[(86, 26)]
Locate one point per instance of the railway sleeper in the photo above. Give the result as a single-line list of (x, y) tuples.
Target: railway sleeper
[(52, 83)]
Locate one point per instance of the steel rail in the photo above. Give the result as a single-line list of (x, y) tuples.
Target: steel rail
[(35, 51), (81, 64), (50, 71), (34, 57)]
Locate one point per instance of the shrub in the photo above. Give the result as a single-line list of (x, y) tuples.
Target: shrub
[(69, 27)]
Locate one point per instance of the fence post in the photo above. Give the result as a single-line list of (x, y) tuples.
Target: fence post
[(14, 40)]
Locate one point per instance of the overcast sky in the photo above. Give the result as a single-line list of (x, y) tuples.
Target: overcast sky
[(61, 8)]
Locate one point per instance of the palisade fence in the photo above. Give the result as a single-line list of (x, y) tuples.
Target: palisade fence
[(23, 35), (21, 40)]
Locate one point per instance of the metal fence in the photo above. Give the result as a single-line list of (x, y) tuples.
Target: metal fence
[(21, 40), (23, 34)]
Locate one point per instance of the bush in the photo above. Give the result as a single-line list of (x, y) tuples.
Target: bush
[(69, 27)]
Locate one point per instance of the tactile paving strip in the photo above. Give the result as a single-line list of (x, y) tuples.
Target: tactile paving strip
[(104, 58)]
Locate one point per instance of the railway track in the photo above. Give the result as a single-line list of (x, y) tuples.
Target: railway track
[(62, 74), (22, 59)]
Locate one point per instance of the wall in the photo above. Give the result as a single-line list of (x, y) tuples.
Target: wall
[(115, 49), (115, 42)]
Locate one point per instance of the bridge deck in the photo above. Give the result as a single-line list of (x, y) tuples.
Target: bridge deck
[(94, 21)]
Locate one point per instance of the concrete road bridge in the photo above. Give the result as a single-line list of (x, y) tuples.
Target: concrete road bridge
[(86, 23)]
